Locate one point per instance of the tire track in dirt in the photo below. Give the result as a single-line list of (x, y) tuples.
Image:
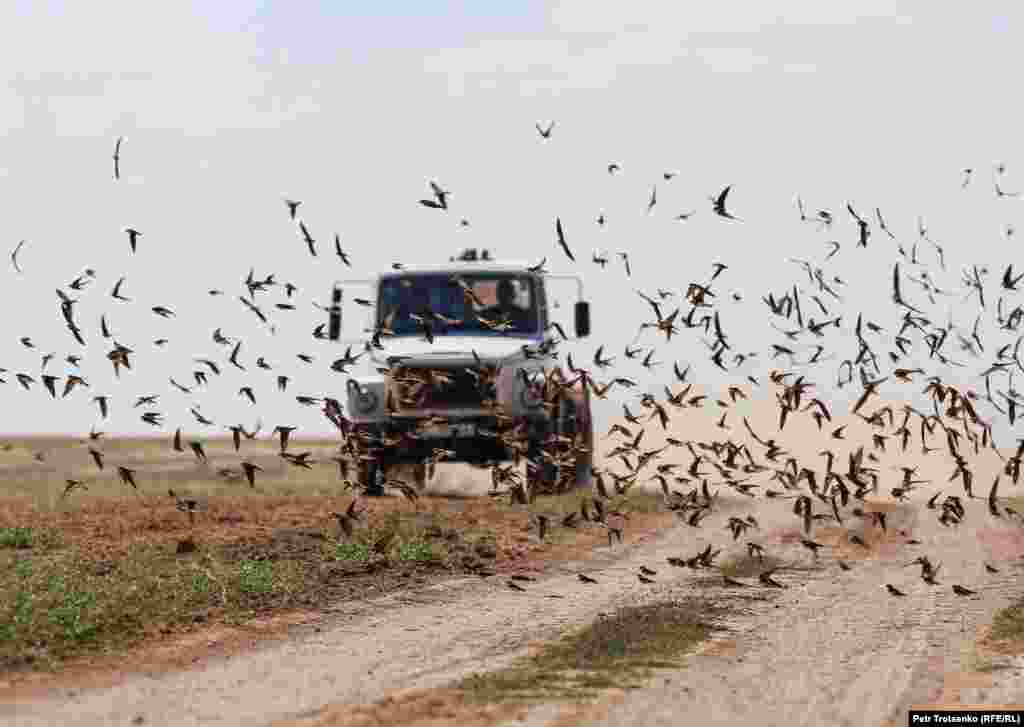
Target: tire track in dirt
[(833, 648), (363, 650), (836, 649)]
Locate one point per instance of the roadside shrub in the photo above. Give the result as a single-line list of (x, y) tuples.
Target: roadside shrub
[(16, 537), (359, 552), (256, 576), (419, 551)]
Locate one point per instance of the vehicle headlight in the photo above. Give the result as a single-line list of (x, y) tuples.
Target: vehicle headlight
[(364, 399)]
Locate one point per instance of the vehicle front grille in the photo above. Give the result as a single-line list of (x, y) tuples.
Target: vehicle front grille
[(439, 388)]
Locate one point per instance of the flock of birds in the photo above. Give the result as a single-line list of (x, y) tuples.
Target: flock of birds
[(953, 427)]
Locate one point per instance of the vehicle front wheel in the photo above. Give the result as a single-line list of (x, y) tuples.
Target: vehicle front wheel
[(371, 474), (419, 476), (541, 474), (585, 459)]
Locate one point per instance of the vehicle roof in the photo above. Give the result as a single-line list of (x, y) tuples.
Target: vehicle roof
[(482, 266)]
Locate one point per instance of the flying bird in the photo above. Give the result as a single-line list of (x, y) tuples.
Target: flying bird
[(117, 157), (14, 256), (133, 238), (127, 476), (719, 204), (307, 238), (250, 469), (339, 252), (115, 293), (862, 225), (440, 200), (561, 239)]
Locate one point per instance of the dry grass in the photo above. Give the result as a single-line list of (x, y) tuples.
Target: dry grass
[(974, 660), (617, 651), (99, 571), (748, 567), (412, 708), (1008, 624)]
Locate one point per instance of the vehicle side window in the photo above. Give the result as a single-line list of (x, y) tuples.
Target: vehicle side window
[(523, 297), (527, 300)]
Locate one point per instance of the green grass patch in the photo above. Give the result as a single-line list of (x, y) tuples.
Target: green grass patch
[(256, 576), (418, 551), (59, 604), (973, 661), (354, 551), (396, 538), (620, 650), (19, 538), (1008, 623), (15, 537)]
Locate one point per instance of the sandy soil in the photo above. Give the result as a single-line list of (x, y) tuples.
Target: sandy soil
[(359, 652), (831, 648), (836, 649)]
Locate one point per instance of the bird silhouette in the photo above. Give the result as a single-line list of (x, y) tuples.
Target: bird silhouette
[(719, 204), (133, 238), (117, 158), (561, 239), (250, 470)]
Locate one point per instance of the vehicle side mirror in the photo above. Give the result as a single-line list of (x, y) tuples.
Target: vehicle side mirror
[(334, 320), (582, 319)]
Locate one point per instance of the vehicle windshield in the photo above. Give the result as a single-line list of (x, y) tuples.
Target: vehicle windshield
[(499, 304)]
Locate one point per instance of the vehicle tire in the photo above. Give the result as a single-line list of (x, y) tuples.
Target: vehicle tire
[(419, 476), (574, 421), (541, 477), (585, 460), (369, 473)]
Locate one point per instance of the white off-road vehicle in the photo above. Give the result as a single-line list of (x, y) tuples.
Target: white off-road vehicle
[(457, 352)]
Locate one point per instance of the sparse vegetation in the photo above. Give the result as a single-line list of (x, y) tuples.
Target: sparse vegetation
[(974, 661), (15, 537), (619, 650), (419, 551), (747, 567), (62, 605), (1008, 623), (256, 576), (98, 571), (352, 551)]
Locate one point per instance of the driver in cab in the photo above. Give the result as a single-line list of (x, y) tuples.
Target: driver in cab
[(507, 309)]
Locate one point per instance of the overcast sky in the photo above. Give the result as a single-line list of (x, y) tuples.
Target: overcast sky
[(228, 107)]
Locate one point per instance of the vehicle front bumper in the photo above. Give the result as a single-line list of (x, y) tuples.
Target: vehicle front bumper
[(472, 438)]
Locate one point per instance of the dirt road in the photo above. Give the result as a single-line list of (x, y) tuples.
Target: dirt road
[(836, 649), (832, 648)]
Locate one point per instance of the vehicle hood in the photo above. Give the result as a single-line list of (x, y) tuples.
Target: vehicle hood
[(488, 348)]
